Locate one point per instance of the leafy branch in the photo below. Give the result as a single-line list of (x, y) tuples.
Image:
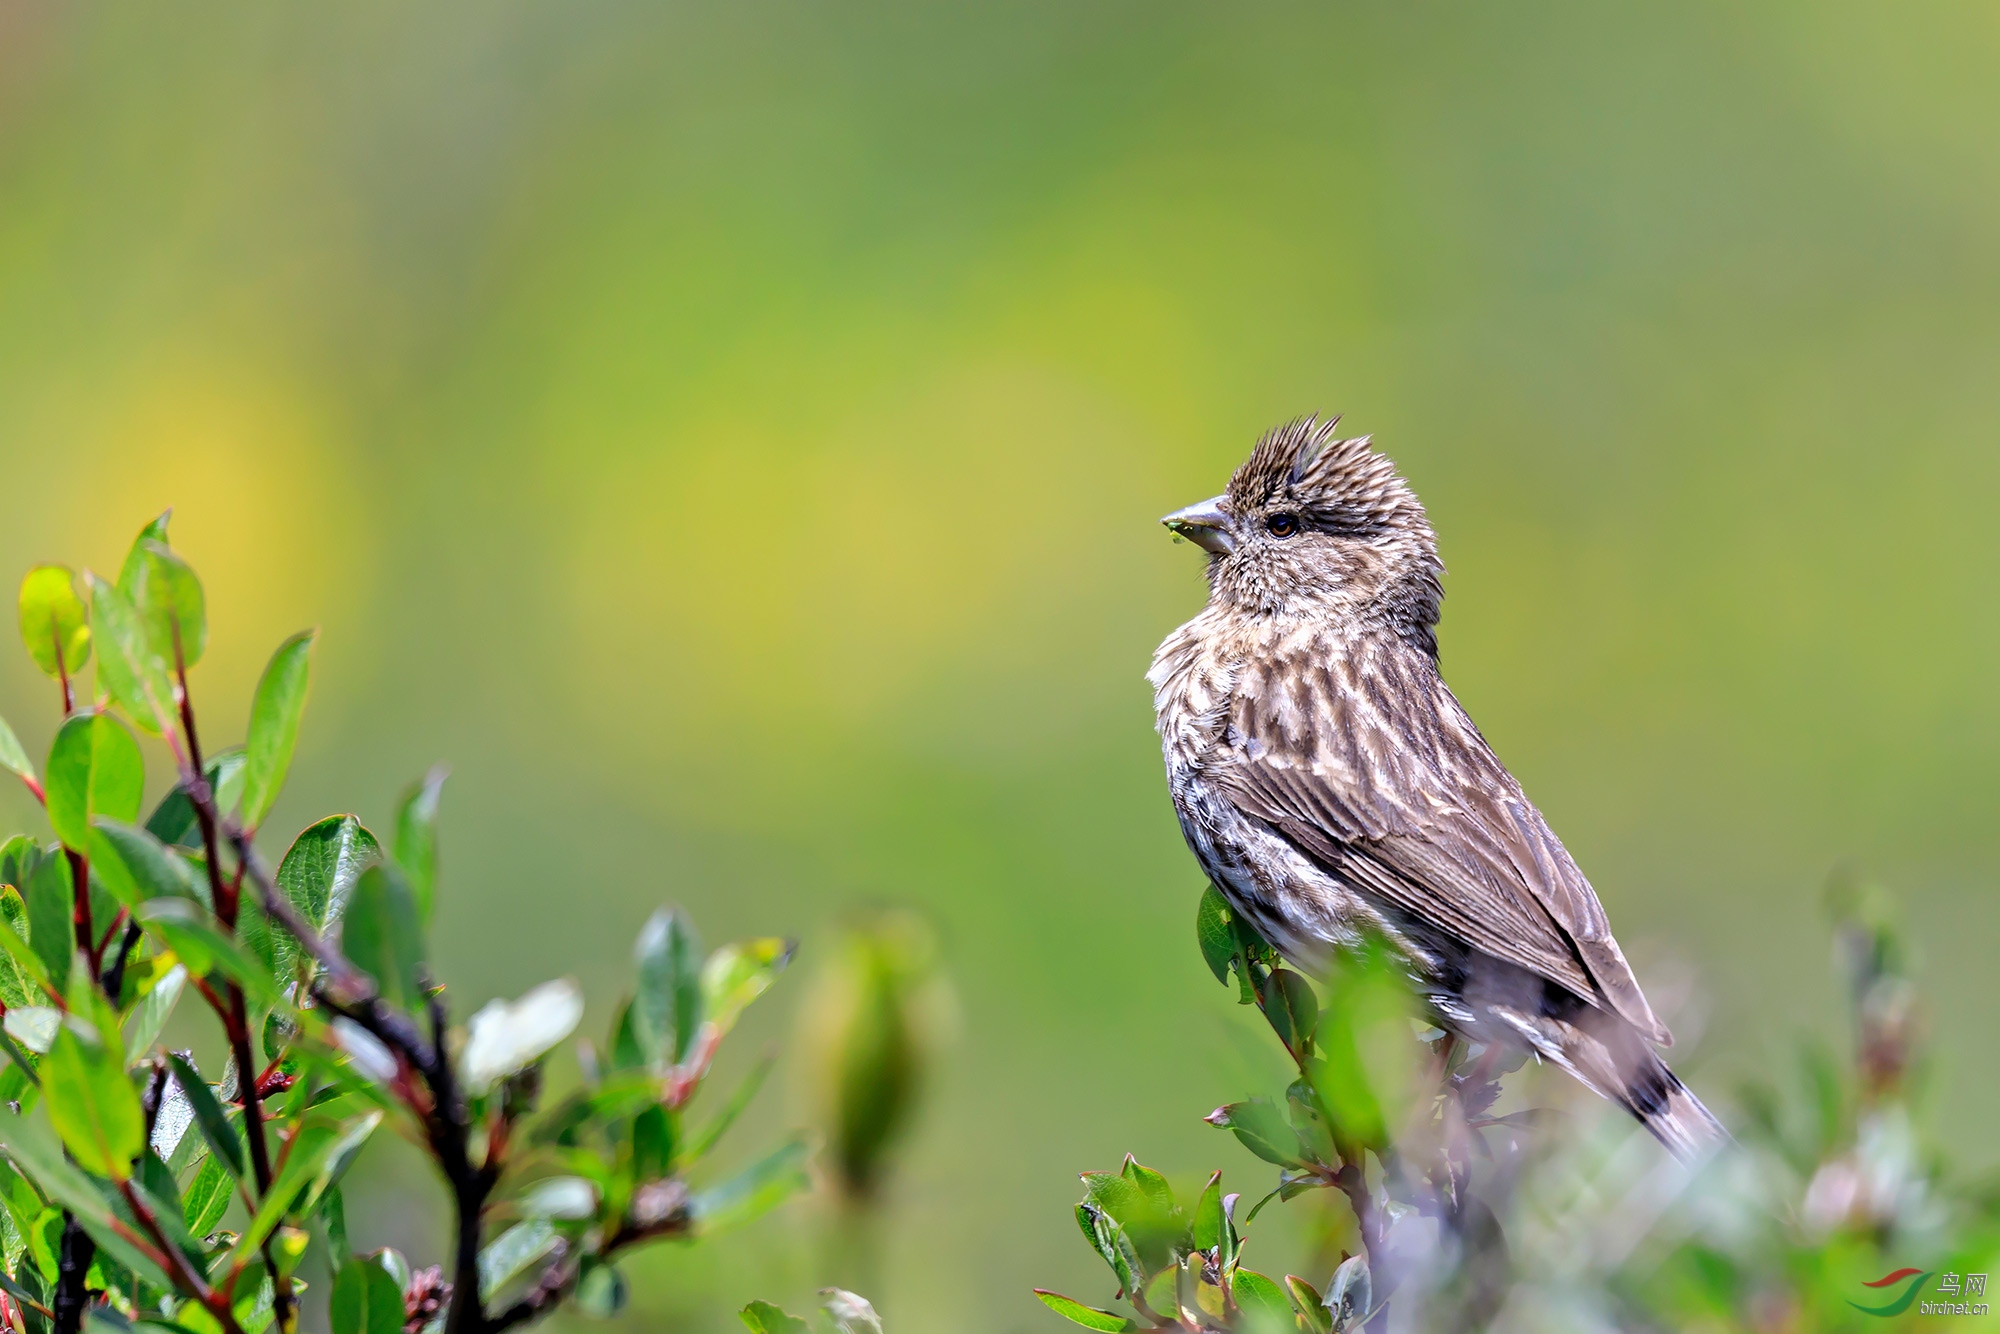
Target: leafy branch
[(119, 1161)]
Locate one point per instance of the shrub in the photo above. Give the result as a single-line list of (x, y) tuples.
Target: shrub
[(123, 1161)]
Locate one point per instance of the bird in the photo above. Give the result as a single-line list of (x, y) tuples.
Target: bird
[(1336, 792)]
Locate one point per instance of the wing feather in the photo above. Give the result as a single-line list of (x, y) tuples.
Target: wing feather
[(1365, 760)]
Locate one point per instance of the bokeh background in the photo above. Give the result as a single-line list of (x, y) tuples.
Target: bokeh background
[(731, 437)]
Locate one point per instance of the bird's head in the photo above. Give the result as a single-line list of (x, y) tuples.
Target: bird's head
[(1312, 526)]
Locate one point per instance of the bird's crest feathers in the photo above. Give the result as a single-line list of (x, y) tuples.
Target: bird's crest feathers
[(1342, 483)]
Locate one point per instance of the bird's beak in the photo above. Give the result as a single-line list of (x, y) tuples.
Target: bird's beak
[(1205, 525)]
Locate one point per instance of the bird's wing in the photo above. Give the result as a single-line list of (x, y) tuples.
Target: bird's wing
[(1369, 764)]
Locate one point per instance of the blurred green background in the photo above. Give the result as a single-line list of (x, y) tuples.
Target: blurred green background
[(732, 438)]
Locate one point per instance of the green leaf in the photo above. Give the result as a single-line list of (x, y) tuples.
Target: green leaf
[(514, 1253), (619, 1098), (275, 711), (19, 856), (1315, 1136), (572, 1198), (1087, 1215), (383, 937), (37, 1154), (12, 756), (208, 1114), (366, 1300), (208, 1196), (169, 600), (1087, 1316), (601, 1292), (154, 531), (126, 664), (1289, 1007), (287, 1247), (92, 1102), (34, 1026), (94, 769), (251, 1309), (705, 1138), (756, 1190), (1263, 1301), (319, 873), (1350, 1295), (1366, 1071), (333, 1216), (26, 1297), (23, 975), (764, 1318), (171, 1124), (157, 1188), (260, 942), (316, 1148), (19, 1084), (1163, 1289), (150, 1016), (1206, 1229), (626, 1053), (737, 974), (1213, 929), (44, 1231), (192, 932), (1153, 1187), (136, 867), (1141, 1202), (1262, 1129), (506, 1036), (416, 838), (652, 1144), (1309, 1304), (51, 918), (174, 822), (394, 1263), (355, 1115), (666, 1013), (53, 625), (1110, 1241)]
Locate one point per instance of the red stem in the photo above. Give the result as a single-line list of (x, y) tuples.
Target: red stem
[(86, 934), (62, 668), (176, 1264)]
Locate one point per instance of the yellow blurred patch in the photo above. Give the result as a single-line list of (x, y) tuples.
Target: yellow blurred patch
[(263, 509), (778, 587)]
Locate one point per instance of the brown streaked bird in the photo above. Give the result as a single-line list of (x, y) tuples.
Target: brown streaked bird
[(1333, 788)]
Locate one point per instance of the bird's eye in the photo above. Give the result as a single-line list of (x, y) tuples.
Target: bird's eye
[(1282, 525)]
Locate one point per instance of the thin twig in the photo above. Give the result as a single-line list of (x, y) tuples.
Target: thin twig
[(235, 1020), (344, 988), (185, 1278)]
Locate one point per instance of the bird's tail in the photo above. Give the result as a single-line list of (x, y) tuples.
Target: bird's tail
[(1614, 1060)]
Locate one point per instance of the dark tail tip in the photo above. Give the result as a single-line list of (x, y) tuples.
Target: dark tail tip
[(1673, 1115)]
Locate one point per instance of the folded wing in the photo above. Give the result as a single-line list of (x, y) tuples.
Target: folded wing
[(1367, 763)]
